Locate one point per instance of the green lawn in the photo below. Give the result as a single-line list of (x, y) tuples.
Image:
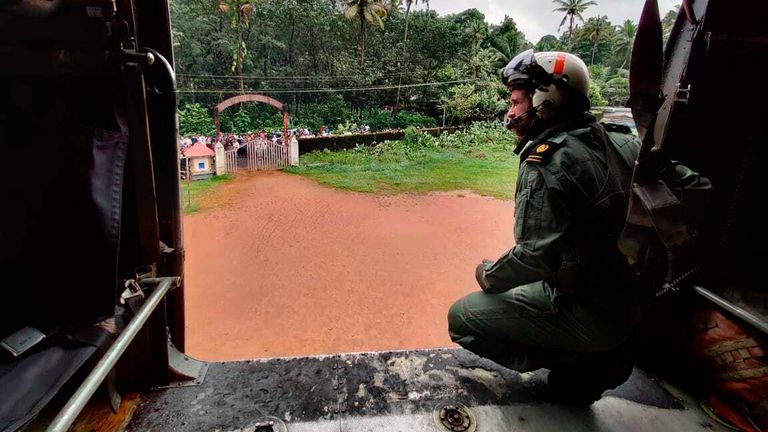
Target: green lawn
[(479, 160), (198, 189)]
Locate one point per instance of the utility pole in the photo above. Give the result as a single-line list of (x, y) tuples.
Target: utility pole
[(443, 115), (189, 194)]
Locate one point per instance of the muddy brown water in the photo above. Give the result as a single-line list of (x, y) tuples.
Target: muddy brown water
[(279, 265)]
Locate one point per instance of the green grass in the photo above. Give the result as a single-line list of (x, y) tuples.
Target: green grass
[(199, 189), (479, 160)]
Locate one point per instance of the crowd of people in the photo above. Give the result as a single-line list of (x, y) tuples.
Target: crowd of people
[(236, 141)]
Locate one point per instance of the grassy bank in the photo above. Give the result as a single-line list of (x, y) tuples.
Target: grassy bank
[(194, 195), (479, 159)]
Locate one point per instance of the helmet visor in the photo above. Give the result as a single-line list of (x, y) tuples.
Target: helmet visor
[(516, 72)]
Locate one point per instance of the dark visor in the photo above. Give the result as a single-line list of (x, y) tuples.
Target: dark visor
[(516, 71)]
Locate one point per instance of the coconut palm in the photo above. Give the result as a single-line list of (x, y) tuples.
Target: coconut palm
[(408, 4), (366, 11), (598, 30), (573, 9), (241, 11), (506, 47), (625, 37)]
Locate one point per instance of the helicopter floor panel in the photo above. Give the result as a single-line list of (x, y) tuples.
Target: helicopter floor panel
[(403, 391)]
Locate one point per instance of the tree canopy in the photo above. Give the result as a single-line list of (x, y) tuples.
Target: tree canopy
[(357, 57)]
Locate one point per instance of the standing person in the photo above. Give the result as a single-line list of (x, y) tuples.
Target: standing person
[(563, 298)]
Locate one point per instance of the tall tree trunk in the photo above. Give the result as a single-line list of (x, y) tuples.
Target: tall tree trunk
[(570, 29), (313, 51), (594, 45), (362, 38), (239, 60), (290, 43), (407, 13)]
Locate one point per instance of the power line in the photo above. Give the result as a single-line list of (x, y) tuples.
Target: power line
[(297, 77), (330, 90)]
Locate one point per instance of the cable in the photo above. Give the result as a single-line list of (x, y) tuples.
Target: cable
[(331, 90), (260, 77)]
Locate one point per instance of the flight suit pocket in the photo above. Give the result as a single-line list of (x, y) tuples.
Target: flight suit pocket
[(521, 202)]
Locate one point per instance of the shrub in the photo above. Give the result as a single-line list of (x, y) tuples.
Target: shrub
[(405, 119), (377, 119), (490, 136), (195, 120)]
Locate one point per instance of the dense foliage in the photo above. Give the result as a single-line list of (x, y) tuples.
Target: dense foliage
[(316, 55)]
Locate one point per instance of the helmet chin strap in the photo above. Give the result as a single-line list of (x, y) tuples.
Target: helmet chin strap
[(517, 121)]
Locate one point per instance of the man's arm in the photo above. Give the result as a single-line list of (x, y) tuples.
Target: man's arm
[(541, 219)]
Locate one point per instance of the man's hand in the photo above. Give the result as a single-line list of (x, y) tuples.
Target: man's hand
[(480, 272)]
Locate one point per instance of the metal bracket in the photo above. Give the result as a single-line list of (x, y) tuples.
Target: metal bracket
[(683, 94), (185, 371)]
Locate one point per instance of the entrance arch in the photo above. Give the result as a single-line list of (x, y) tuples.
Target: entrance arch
[(252, 98)]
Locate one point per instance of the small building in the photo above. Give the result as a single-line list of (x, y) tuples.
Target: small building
[(200, 159)]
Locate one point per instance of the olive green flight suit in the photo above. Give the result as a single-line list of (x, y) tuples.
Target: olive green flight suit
[(564, 288)]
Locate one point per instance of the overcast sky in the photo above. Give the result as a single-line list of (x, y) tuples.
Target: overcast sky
[(535, 17)]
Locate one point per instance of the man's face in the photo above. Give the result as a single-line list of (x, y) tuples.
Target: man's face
[(519, 104)]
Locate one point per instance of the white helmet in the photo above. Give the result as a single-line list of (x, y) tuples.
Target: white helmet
[(560, 80)]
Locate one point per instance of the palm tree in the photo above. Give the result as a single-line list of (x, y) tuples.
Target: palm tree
[(478, 29), (625, 37), (366, 11), (408, 4), (241, 11), (572, 9), (506, 47), (597, 33)]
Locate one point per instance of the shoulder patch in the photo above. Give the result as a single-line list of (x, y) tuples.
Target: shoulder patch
[(541, 153)]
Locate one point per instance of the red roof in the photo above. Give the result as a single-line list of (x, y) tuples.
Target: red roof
[(198, 149)]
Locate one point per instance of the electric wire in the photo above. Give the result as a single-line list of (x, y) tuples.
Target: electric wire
[(324, 90)]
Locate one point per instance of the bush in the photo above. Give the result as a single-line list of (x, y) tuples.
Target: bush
[(195, 120), (377, 119), (488, 136), (345, 127), (405, 119), (335, 111), (479, 137), (462, 103), (616, 91), (414, 144), (595, 98)]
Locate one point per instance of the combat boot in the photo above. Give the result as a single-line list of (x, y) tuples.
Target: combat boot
[(585, 381)]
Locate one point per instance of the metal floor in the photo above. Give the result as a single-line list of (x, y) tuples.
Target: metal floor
[(403, 391)]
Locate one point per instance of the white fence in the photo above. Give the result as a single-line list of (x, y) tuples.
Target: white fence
[(266, 155), (231, 156), (259, 156)]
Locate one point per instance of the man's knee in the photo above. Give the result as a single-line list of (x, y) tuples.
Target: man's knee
[(456, 325)]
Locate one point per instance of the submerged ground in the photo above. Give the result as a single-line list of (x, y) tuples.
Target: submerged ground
[(279, 265)]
